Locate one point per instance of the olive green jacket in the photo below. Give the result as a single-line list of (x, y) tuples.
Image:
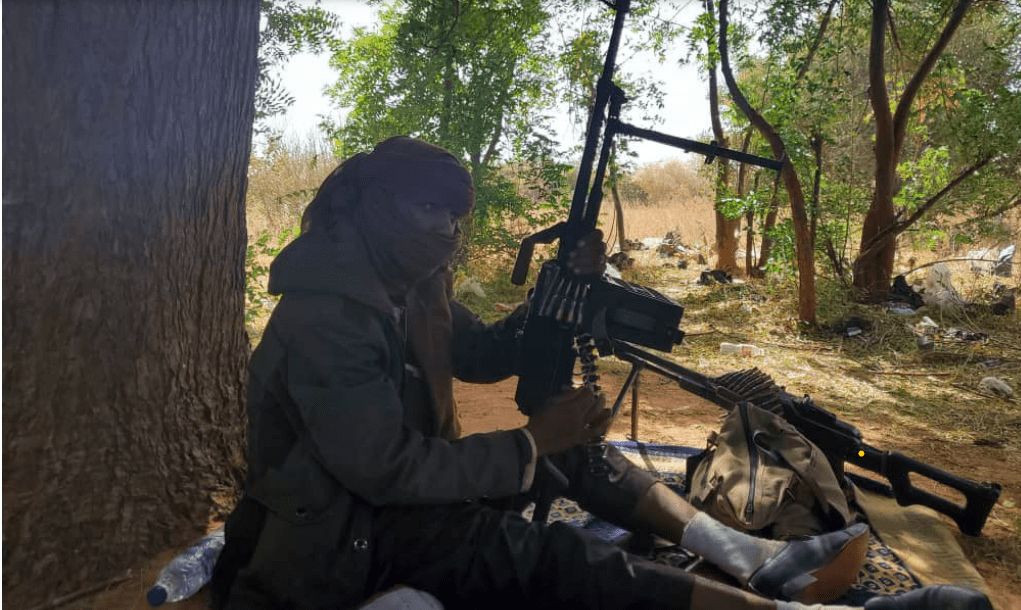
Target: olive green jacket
[(330, 435)]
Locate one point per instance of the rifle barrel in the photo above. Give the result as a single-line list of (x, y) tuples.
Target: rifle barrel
[(709, 150)]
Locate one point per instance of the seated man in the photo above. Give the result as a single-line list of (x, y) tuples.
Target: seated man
[(358, 480)]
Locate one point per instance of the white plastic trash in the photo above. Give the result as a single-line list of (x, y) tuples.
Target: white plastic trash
[(741, 349), (188, 572), (995, 385)]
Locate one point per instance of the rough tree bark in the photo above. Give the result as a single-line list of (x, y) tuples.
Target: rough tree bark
[(802, 239), (874, 264), (726, 228), (126, 135)]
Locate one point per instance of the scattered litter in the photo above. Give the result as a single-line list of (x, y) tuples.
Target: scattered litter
[(503, 307), (1004, 266), (621, 261), (997, 386), (925, 342), (469, 285), (939, 289), (650, 243), (1006, 303), (927, 326), (613, 271), (852, 326), (993, 262), (899, 309), (964, 335), (716, 276), (741, 349), (902, 292), (991, 363), (633, 244), (187, 572)]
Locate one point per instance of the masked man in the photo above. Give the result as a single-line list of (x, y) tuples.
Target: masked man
[(359, 480)]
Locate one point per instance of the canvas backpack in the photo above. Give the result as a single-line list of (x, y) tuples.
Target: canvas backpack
[(760, 475)]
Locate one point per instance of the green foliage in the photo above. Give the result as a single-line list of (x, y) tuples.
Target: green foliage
[(286, 28), (473, 78), (258, 255), (782, 258), (755, 201)]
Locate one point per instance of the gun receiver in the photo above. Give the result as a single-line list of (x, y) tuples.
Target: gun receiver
[(840, 441)]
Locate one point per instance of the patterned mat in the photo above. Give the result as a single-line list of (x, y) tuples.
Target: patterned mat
[(883, 573)]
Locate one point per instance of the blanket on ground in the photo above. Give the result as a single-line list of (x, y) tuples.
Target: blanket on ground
[(884, 572)]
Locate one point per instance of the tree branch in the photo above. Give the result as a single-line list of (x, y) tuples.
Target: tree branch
[(815, 44), (1014, 202), (900, 118), (877, 71), (894, 229)]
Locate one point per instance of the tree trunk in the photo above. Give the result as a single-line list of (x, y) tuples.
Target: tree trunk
[(726, 228), (792, 184), (749, 258), (742, 179), (768, 225), (874, 265), (618, 207), (126, 137), (872, 269), (816, 187)]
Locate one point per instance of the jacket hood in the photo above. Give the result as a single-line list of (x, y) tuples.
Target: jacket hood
[(317, 263)]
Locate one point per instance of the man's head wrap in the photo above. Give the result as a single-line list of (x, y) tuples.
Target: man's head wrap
[(373, 192)]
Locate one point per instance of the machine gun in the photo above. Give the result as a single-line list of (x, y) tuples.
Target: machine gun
[(840, 441), (570, 316), (570, 313)]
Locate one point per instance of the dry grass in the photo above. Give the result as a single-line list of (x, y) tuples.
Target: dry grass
[(671, 196), (282, 181), (692, 221)]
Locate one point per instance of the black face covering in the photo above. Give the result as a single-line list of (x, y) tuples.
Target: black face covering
[(402, 253), (399, 173)]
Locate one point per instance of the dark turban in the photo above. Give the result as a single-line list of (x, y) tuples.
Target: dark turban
[(373, 191)]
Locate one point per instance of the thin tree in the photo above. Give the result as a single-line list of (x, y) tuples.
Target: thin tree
[(874, 264), (802, 233), (126, 138), (726, 228)]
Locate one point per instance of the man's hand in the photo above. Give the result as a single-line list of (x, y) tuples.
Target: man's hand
[(572, 418), (589, 256)]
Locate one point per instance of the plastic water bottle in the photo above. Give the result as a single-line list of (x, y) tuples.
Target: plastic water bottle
[(741, 349), (188, 572)]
